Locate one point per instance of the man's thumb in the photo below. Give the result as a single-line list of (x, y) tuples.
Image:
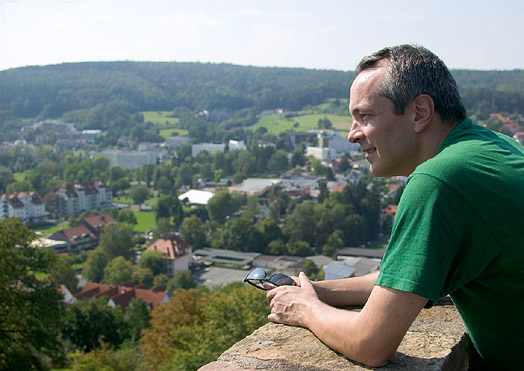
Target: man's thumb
[(303, 279)]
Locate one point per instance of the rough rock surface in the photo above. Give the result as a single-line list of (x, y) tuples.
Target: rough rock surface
[(435, 341)]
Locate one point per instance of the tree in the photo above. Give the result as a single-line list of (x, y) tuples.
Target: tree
[(240, 235), (126, 216), (195, 327), (137, 318), (30, 308), (334, 242), (192, 231), (106, 357), (298, 248), (139, 193), (270, 230), (154, 261), (181, 280), (324, 123), (163, 228), (142, 276), (118, 271), (96, 261), (301, 223), (220, 206), (169, 206), (116, 240), (62, 273), (278, 162), (90, 322)]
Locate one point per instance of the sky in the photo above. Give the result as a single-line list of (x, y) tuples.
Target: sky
[(327, 34)]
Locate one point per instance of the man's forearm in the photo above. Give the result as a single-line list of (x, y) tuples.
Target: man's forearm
[(346, 292)]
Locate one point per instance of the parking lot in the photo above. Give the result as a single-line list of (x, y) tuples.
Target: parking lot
[(215, 276)]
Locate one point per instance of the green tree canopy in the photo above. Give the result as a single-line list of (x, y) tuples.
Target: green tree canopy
[(116, 240), (220, 206), (30, 308), (91, 321), (139, 193), (118, 271), (193, 232), (94, 265), (154, 261)]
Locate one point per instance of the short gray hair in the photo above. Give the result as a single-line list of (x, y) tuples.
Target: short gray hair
[(414, 70)]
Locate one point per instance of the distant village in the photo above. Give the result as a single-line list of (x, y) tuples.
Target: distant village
[(210, 266)]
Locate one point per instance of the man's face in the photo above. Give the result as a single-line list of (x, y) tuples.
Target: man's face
[(387, 139)]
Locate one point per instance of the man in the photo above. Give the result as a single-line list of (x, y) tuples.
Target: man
[(459, 228)]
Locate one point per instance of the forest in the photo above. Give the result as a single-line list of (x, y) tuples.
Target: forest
[(111, 95)]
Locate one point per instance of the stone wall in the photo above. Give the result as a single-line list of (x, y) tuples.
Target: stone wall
[(435, 341)]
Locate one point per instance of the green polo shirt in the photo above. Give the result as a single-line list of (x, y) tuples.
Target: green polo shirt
[(459, 230)]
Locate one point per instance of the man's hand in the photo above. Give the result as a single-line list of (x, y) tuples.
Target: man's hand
[(291, 304)]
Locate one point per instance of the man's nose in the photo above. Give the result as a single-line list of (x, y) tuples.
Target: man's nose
[(355, 135)]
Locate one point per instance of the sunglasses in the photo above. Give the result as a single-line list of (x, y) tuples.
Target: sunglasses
[(257, 278)]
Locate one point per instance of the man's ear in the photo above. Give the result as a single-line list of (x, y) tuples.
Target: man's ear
[(424, 109)]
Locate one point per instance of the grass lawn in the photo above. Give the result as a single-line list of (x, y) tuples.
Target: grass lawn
[(278, 123), (145, 221), (51, 228), (166, 133), (160, 117), (19, 176), (128, 200)]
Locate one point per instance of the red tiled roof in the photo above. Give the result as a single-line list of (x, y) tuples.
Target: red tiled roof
[(121, 295), (79, 231), (390, 209), (97, 221), (171, 246), (15, 198)]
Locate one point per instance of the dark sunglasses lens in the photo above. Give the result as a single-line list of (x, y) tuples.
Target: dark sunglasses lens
[(256, 274), (280, 279)]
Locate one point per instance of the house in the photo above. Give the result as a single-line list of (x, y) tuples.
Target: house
[(123, 294), (76, 239), (176, 251), (130, 159), (81, 237), (96, 223), (27, 206), (335, 271), (72, 199)]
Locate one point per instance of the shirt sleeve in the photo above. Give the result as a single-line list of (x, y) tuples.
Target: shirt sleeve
[(431, 251)]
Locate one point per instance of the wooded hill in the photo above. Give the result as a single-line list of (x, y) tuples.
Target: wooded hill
[(52, 91)]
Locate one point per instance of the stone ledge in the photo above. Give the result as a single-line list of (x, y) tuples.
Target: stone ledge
[(435, 341)]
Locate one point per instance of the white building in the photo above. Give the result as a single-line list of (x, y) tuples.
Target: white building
[(323, 154), (176, 251), (130, 159), (75, 198), (27, 206), (208, 147), (176, 142), (233, 145), (196, 197)]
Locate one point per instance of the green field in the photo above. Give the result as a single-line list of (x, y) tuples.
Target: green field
[(145, 221), (160, 118), (278, 123), (51, 228), (166, 133), (167, 124)]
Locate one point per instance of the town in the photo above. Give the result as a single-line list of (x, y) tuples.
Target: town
[(145, 223)]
